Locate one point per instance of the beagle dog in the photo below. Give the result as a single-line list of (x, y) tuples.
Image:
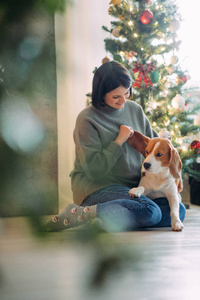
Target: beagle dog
[(162, 172)]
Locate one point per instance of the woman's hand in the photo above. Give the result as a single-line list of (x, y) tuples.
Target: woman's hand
[(125, 132)]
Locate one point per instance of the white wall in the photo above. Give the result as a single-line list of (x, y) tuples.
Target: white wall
[(188, 34), (80, 48)]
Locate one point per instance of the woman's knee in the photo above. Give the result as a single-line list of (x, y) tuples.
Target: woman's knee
[(153, 214)]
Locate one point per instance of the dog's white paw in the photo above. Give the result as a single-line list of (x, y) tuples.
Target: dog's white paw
[(177, 225), (136, 192)]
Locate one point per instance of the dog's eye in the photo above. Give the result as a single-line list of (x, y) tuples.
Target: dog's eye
[(147, 152), (159, 154)]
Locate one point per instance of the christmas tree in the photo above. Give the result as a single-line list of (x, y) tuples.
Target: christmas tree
[(143, 37)]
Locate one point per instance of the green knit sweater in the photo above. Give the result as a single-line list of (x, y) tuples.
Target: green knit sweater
[(100, 161)]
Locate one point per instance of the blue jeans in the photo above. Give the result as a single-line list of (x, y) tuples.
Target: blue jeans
[(121, 212)]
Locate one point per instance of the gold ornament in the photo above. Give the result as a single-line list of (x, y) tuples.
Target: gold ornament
[(170, 69), (116, 31), (174, 60), (178, 80), (197, 121), (115, 2)]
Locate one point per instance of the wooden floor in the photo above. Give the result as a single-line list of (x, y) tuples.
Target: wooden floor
[(152, 264)]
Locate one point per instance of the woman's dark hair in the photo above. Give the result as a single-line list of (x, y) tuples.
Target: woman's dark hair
[(108, 77)]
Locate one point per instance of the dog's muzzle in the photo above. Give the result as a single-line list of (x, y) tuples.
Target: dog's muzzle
[(147, 166)]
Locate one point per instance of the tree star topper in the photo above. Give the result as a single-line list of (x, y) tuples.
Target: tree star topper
[(115, 2)]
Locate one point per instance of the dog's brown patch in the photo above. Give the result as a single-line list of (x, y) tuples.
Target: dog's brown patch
[(161, 150)]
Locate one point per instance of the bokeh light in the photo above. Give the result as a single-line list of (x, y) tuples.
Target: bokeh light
[(19, 126)]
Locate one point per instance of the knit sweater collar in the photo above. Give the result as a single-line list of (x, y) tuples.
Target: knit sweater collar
[(110, 110)]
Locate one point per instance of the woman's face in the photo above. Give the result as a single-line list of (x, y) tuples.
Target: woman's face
[(117, 97)]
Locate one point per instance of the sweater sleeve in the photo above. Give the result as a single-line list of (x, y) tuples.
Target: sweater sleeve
[(95, 160)]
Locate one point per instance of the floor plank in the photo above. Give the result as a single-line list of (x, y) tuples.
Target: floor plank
[(164, 264)]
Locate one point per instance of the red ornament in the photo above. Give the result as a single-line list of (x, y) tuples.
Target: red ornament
[(146, 17), (105, 59), (195, 145), (184, 79), (110, 10)]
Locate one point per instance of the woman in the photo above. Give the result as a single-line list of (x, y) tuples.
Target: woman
[(106, 167)]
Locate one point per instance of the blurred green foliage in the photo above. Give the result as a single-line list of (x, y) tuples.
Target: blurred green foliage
[(28, 125)]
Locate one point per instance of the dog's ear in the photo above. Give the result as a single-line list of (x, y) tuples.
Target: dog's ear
[(139, 142), (175, 163)]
